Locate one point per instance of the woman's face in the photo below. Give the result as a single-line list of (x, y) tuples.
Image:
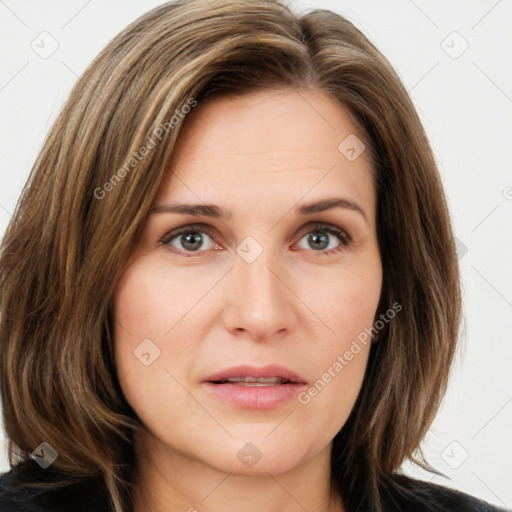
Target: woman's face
[(274, 286)]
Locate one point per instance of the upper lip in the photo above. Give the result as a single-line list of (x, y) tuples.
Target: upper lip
[(271, 370)]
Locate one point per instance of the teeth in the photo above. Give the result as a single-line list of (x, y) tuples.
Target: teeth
[(255, 381)]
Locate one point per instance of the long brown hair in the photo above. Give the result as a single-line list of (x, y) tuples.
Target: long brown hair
[(90, 190)]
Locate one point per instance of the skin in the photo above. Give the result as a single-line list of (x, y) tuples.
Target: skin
[(259, 155)]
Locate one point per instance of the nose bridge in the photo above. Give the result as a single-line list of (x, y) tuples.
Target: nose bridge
[(258, 298), (253, 265)]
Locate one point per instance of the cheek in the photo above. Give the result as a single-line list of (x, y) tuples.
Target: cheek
[(148, 301), (138, 301), (345, 302), (153, 295), (332, 394), (347, 308), (150, 308), (142, 317)]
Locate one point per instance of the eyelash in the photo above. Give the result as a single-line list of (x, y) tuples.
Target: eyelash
[(342, 236)]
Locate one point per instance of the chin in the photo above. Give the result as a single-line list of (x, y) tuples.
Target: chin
[(262, 463), (256, 454)]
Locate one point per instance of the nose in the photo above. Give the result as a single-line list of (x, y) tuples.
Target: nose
[(258, 301)]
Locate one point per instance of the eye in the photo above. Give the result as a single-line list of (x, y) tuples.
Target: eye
[(319, 236), (189, 239)]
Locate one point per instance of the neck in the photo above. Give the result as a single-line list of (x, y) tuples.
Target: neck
[(168, 480)]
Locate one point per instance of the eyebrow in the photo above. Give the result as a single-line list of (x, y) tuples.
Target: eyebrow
[(211, 210)]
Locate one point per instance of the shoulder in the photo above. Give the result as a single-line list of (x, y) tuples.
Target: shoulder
[(29, 488), (420, 496)]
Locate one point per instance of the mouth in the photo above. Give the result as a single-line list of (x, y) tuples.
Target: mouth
[(269, 375), (254, 381), (255, 388)]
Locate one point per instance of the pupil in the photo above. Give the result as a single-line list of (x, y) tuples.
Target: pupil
[(322, 238), (190, 240)]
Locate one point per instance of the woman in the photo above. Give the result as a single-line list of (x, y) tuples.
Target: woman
[(231, 280)]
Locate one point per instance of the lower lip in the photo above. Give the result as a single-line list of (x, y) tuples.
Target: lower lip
[(255, 397)]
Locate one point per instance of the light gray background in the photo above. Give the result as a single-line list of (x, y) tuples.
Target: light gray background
[(465, 101)]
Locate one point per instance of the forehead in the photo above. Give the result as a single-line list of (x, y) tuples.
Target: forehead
[(266, 146), (267, 122)]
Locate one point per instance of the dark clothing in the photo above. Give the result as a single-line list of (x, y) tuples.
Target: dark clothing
[(89, 495), (86, 495)]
